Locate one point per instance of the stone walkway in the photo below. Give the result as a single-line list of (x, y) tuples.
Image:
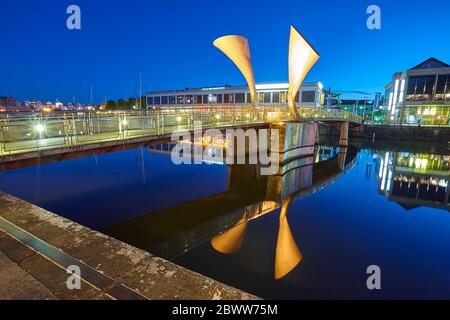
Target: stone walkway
[(36, 247), (27, 275)]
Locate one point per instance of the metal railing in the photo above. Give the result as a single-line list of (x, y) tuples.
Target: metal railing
[(21, 133)]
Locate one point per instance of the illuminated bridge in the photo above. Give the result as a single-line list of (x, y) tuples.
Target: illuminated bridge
[(40, 135)]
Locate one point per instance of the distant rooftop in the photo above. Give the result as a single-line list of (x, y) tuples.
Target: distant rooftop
[(431, 63), (262, 86)]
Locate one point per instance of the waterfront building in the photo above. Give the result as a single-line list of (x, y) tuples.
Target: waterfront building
[(420, 95), (310, 94)]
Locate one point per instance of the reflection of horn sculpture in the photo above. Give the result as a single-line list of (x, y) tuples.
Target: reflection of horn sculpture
[(236, 48), (287, 255), (302, 57), (231, 240)]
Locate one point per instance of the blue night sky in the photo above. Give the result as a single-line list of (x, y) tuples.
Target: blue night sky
[(170, 42)]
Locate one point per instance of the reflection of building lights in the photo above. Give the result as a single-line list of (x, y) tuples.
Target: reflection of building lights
[(389, 179), (179, 119), (383, 180), (217, 116), (124, 122)]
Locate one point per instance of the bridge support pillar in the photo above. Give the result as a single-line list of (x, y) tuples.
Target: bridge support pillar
[(343, 134), (317, 133)]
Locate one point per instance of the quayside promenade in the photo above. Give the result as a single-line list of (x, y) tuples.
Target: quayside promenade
[(37, 246)]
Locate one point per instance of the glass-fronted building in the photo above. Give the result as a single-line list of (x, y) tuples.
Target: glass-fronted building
[(310, 94), (420, 95)]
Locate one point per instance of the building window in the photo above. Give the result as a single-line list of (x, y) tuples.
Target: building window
[(443, 88), (220, 98), (205, 99), (260, 97), (308, 96), (180, 99), (157, 100), (198, 99), (283, 97), (164, 100), (212, 98), (172, 100), (150, 101), (248, 98), (239, 97), (267, 97), (189, 99), (420, 88), (275, 97)]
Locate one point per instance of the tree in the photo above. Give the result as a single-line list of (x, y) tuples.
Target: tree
[(111, 104)]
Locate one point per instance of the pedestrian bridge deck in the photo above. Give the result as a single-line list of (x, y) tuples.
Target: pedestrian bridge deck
[(28, 135)]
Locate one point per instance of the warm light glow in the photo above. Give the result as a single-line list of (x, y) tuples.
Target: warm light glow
[(287, 254), (231, 240), (39, 128), (237, 49)]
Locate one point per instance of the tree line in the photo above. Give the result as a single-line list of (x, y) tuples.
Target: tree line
[(126, 104)]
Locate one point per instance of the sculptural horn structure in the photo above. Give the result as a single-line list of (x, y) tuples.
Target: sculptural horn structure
[(302, 56), (237, 49)]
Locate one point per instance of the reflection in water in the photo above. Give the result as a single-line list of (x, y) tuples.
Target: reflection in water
[(288, 255), (414, 180), (305, 169), (231, 240), (314, 226)]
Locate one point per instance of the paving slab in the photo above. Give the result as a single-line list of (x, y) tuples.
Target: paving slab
[(17, 284)]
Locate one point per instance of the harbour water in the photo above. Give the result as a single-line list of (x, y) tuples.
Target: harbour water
[(311, 233)]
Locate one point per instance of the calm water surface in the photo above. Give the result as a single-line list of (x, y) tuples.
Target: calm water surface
[(382, 208)]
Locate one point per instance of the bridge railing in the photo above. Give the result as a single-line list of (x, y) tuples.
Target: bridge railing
[(21, 133)]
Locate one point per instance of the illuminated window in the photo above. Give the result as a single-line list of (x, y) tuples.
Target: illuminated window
[(212, 98), (283, 97)]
